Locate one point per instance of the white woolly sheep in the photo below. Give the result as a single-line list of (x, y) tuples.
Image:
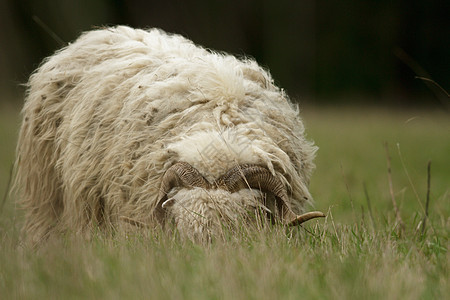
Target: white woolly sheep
[(128, 126)]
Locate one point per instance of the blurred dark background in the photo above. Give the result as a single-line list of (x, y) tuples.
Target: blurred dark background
[(334, 51)]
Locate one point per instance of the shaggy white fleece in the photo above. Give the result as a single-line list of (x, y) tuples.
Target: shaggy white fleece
[(105, 117)]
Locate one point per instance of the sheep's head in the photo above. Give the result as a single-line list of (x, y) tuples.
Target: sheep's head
[(201, 201)]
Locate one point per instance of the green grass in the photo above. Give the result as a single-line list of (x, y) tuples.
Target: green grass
[(345, 256)]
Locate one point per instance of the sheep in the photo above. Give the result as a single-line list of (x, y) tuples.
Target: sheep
[(127, 127)]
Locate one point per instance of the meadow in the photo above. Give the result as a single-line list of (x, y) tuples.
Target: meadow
[(359, 251)]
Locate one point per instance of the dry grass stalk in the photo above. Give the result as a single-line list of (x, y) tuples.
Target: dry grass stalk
[(435, 83), (369, 206), (349, 193), (427, 204), (409, 178), (391, 191)]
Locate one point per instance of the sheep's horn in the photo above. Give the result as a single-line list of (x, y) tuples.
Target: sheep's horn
[(169, 202), (252, 176), (180, 174), (305, 217), (257, 177)]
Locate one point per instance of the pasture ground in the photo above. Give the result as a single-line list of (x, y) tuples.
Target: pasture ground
[(357, 252)]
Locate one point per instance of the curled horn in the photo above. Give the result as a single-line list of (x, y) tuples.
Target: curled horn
[(180, 174), (254, 176), (305, 217), (257, 177)]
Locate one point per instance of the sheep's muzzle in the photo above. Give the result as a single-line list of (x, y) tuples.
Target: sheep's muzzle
[(242, 176)]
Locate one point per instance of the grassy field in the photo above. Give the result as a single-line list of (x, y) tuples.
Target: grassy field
[(355, 253)]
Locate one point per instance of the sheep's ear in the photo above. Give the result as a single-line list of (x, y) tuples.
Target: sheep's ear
[(305, 217)]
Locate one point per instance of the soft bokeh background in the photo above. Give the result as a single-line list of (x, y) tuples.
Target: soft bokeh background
[(338, 51)]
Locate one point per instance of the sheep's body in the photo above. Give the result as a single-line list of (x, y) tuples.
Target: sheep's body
[(108, 114)]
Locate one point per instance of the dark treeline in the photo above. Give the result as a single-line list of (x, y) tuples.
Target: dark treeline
[(334, 50)]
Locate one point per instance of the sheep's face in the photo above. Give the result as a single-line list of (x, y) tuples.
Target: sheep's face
[(201, 214), (220, 182)]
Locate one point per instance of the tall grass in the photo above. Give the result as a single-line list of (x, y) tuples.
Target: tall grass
[(347, 255)]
